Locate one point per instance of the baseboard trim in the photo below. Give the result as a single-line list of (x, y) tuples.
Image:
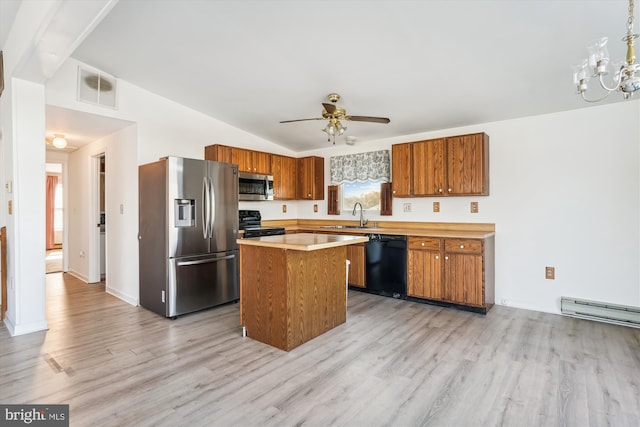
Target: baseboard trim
[(122, 296), (15, 330), (78, 275)]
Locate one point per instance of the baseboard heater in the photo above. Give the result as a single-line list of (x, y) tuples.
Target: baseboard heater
[(602, 312)]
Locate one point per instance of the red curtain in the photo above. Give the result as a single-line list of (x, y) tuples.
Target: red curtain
[(52, 182)]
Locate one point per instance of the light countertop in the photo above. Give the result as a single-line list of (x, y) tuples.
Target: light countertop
[(304, 241)]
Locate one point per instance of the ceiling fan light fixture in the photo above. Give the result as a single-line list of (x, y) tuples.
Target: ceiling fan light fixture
[(59, 141)]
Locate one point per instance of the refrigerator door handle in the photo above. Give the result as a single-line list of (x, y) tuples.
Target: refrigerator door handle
[(205, 208), (212, 207), (204, 261)]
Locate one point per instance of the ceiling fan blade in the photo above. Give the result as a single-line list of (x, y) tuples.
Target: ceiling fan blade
[(302, 120), (367, 119), (330, 108)]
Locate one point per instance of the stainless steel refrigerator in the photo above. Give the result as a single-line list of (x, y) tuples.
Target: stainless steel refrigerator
[(188, 226)]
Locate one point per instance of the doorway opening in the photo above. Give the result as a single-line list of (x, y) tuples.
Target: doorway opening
[(98, 238), (54, 218)]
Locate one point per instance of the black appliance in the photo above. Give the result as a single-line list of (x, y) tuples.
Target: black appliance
[(251, 222), (386, 265)]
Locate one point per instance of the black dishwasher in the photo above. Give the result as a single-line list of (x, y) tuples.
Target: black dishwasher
[(386, 265)]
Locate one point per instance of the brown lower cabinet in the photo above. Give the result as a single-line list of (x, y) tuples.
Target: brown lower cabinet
[(457, 271), (355, 255)]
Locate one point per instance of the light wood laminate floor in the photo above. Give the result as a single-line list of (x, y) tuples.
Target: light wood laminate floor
[(394, 363)]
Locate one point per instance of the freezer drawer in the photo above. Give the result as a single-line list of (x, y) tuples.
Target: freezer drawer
[(196, 283)]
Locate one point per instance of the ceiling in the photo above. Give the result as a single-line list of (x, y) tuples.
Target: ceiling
[(427, 65)]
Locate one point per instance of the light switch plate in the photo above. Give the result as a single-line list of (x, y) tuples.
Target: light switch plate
[(436, 206), (315, 208), (474, 207), (284, 208)]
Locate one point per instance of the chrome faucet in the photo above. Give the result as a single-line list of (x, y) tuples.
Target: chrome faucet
[(362, 220)]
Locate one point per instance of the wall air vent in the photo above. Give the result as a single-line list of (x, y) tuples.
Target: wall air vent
[(97, 88), (602, 312)]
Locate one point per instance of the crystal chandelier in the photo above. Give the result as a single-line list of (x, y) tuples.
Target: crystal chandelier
[(333, 128), (595, 66)]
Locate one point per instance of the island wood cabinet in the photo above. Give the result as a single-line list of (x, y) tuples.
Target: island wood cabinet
[(310, 178), (458, 271), (451, 166), (247, 160), (285, 176)]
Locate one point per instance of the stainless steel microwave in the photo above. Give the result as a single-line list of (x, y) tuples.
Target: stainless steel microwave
[(255, 186)]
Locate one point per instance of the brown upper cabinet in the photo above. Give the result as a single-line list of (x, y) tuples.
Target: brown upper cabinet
[(293, 178), (451, 166), (333, 200), (285, 176), (311, 178), (247, 160)]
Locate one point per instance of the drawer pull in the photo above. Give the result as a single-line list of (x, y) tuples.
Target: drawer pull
[(461, 246), (422, 244)]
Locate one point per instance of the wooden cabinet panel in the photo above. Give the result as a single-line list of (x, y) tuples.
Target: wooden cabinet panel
[(401, 169), (458, 271), (285, 176), (451, 166), (463, 246), (261, 162), (428, 167), (355, 255), (464, 279), (247, 160), (218, 153), (310, 178), (468, 165), (333, 200), (386, 198), (424, 243), (424, 274)]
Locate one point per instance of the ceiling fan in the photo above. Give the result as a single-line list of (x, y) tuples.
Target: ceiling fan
[(334, 114)]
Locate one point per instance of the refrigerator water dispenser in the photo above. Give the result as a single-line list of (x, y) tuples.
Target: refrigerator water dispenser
[(185, 212)]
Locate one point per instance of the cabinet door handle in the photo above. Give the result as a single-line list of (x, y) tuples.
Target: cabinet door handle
[(439, 190), (446, 257), (461, 246), (437, 256), (422, 244), (449, 190)]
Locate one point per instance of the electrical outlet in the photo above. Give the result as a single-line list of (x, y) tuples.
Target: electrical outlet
[(406, 207), (474, 207), (284, 208), (315, 208), (436, 206), (550, 273)]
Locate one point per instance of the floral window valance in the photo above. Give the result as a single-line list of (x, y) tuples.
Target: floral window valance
[(360, 167)]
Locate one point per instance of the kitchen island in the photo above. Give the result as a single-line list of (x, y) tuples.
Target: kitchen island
[(293, 286)]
